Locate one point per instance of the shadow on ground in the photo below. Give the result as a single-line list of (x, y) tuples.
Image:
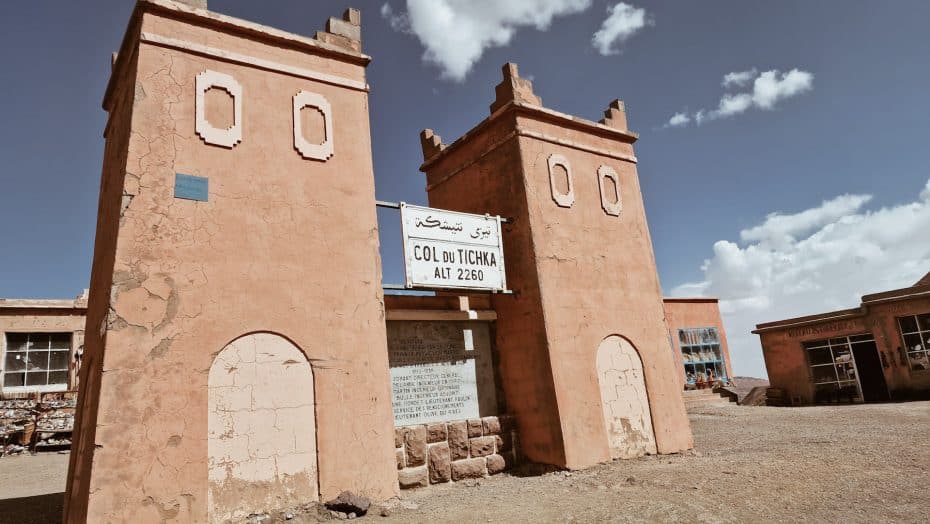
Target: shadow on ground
[(38, 509)]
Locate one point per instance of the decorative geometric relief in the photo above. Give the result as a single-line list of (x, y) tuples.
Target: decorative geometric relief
[(567, 198), (212, 135), (321, 151), (611, 203)]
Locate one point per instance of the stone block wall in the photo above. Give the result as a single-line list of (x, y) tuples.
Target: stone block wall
[(452, 451)]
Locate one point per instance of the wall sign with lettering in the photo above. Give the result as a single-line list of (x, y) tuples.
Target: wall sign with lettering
[(190, 187), (440, 371), (448, 249)]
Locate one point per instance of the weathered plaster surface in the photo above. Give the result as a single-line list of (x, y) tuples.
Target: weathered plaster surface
[(261, 428), (624, 399), (281, 245)]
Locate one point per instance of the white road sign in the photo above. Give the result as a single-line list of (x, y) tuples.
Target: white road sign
[(448, 249)]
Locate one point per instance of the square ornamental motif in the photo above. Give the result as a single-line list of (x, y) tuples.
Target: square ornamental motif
[(322, 151), (210, 134), (566, 198), (609, 183)]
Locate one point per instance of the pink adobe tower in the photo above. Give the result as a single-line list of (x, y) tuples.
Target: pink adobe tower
[(585, 360), (236, 356)]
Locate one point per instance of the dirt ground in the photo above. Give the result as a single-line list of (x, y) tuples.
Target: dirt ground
[(866, 463), (31, 488)]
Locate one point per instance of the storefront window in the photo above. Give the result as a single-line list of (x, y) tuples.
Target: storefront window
[(702, 357), (833, 369), (915, 332), (36, 360)]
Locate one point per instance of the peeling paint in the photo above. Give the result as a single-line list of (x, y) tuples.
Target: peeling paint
[(262, 428), (623, 396)]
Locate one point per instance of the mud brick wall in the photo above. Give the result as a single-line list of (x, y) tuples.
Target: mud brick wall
[(451, 451)]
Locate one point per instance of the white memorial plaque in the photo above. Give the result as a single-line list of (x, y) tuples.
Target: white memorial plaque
[(448, 249), (434, 392), (437, 372)]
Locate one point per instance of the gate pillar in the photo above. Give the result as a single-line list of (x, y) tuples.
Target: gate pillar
[(237, 197), (579, 259)]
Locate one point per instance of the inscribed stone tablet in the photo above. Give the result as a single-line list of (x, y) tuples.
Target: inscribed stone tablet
[(438, 373)]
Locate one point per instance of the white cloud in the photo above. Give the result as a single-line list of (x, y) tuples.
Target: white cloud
[(623, 21), (820, 259), (700, 116), (768, 89), (455, 33), (779, 229), (398, 22), (679, 119), (738, 78), (732, 105)]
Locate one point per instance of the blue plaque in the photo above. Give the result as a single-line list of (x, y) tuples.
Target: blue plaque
[(190, 187)]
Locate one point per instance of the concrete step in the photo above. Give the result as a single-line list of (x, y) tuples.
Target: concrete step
[(709, 402), (699, 393), (700, 398)]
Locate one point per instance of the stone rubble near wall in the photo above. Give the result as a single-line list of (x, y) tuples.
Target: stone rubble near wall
[(451, 451)]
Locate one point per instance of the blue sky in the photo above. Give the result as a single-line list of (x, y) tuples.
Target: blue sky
[(781, 211)]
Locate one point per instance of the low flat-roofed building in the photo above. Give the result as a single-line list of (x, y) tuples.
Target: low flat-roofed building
[(40, 344), (699, 342), (876, 352)]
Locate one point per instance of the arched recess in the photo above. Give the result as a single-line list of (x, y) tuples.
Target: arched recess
[(261, 429), (624, 399)]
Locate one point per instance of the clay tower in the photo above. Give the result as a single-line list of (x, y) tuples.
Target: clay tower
[(235, 356), (585, 360)]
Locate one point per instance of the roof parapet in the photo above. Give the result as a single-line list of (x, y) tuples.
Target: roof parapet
[(345, 32), (431, 143), (514, 89), (196, 4), (615, 115)]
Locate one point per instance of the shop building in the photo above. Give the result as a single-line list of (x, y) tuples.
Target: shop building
[(876, 352), (699, 342), (41, 342)]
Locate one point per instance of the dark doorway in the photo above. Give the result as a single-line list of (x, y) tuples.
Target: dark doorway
[(871, 375)]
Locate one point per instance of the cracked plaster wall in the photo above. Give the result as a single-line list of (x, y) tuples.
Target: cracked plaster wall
[(261, 428), (624, 399), (112, 198), (283, 244)]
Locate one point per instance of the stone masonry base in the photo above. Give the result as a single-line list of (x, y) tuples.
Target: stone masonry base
[(451, 451)]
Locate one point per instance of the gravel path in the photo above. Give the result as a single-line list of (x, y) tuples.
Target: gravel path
[(867, 463)]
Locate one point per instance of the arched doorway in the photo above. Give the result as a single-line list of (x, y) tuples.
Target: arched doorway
[(261, 428), (624, 399)]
